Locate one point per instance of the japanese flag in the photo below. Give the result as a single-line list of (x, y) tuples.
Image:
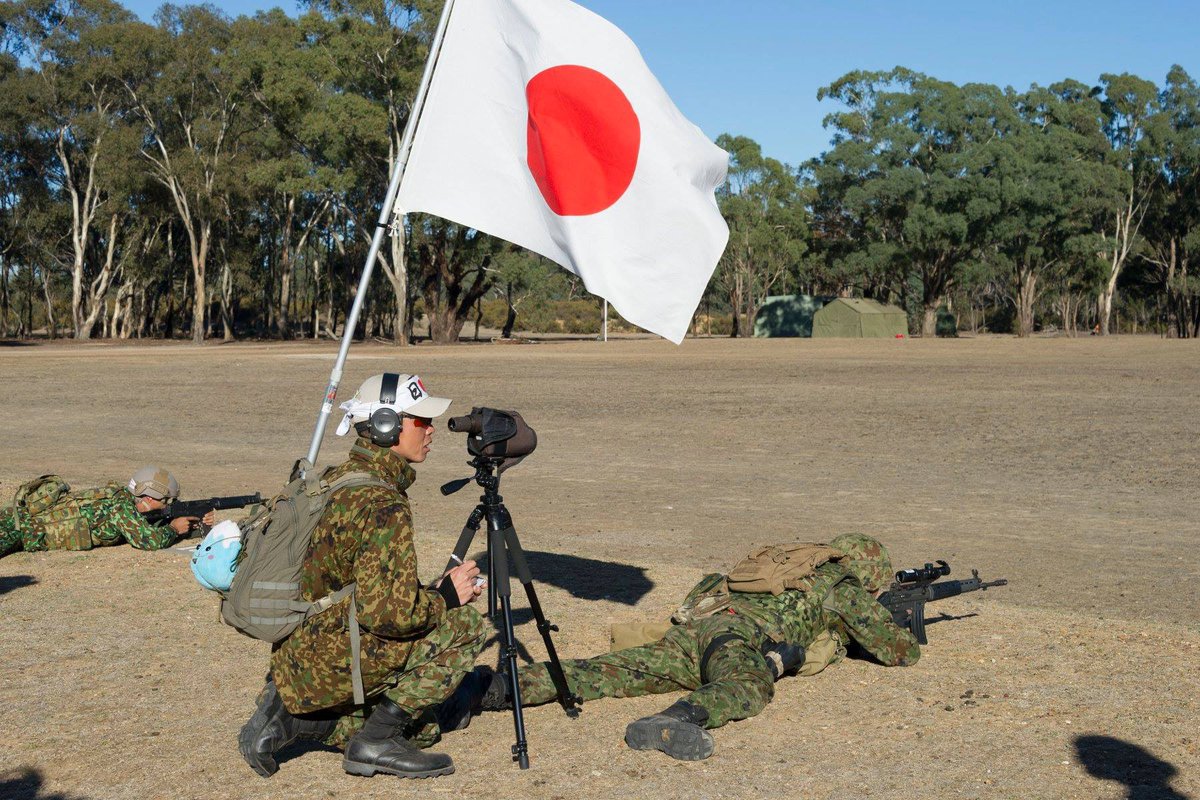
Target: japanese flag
[(543, 126)]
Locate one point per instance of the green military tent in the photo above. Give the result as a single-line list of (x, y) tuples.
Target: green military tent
[(857, 317), (787, 315)]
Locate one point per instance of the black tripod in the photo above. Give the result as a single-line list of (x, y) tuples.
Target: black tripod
[(502, 545)]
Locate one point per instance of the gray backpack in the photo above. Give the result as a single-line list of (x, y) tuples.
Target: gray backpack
[(264, 600)]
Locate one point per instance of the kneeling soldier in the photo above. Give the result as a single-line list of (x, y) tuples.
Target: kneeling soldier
[(417, 643), (730, 648)]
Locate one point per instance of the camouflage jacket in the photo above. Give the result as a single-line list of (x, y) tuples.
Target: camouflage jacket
[(833, 601), (365, 536), (116, 518)]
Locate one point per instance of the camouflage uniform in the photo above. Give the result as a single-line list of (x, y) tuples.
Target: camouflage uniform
[(417, 643), (111, 519), (719, 658)]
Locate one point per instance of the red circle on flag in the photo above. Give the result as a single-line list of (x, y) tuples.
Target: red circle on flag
[(582, 139)]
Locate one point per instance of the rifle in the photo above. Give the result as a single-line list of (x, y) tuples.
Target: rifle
[(906, 598), (198, 508)]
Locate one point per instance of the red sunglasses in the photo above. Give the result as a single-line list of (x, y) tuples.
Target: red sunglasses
[(419, 422)]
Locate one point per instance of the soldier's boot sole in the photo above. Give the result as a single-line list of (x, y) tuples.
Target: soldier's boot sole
[(262, 763), (678, 739), (367, 770)]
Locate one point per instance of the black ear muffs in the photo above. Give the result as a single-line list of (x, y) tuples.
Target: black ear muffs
[(385, 422)]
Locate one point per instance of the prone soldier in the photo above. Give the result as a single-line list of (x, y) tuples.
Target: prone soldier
[(728, 649), (47, 515)]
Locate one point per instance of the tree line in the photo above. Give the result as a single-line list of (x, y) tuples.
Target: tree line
[(203, 176)]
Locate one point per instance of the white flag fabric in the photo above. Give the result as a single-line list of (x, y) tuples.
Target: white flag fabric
[(543, 126)]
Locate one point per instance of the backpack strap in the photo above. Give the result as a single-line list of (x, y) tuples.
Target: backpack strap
[(353, 480), (349, 481)]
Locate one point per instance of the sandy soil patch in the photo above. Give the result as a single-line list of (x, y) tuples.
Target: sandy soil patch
[(1068, 466)]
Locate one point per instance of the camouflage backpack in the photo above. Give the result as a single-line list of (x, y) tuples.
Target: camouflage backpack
[(46, 506), (264, 600)]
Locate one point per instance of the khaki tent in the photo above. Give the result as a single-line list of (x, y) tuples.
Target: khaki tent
[(859, 318), (787, 315)]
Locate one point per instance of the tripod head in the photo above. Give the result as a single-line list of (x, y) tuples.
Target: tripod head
[(487, 475)]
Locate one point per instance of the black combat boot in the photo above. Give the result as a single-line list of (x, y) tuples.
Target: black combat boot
[(482, 689), (679, 732), (272, 728), (782, 658), (380, 747)]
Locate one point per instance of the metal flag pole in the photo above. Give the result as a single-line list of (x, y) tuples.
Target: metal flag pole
[(381, 228), (606, 319)]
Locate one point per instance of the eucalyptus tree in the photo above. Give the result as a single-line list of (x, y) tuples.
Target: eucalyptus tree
[(763, 205), (455, 271), (13, 117), (374, 50), (182, 87), (78, 106), (520, 276), (1129, 103), (1173, 222), (903, 147), (301, 159), (1045, 180)]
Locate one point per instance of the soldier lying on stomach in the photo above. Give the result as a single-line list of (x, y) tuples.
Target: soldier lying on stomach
[(785, 608)]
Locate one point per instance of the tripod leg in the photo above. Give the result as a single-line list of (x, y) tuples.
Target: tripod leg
[(464, 539), (508, 644), (569, 701)]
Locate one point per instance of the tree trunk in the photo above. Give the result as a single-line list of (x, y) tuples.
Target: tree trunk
[(5, 300), (398, 278), (51, 328), (1026, 297), (510, 320), (1104, 304), (199, 291), (929, 320), (226, 303), (282, 317)]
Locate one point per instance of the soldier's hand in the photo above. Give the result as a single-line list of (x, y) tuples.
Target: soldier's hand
[(181, 525), (463, 577), (209, 519)]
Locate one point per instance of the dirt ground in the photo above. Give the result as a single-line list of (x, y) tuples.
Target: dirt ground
[(1069, 467)]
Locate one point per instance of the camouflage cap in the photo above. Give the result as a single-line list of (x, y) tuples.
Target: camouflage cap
[(155, 482), (867, 559)]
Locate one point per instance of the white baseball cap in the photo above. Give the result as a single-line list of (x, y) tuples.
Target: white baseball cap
[(404, 394)]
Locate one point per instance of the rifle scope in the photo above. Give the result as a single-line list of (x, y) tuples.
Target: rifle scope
[(929, 572)]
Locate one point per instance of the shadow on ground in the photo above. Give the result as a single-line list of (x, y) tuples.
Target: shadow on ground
[(9, 583), (26, 784), (585, 578), (1110, 759)]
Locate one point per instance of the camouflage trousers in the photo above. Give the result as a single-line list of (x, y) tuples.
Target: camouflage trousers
[(733, 682), (311, 669)]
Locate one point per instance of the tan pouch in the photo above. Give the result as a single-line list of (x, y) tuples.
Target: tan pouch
[(623, 635), (826, 649), (779, 567)]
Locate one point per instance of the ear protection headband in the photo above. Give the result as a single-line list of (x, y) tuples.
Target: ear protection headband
[(385, 422)]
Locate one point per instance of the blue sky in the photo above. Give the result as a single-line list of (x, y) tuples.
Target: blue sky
[(753, 67)]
